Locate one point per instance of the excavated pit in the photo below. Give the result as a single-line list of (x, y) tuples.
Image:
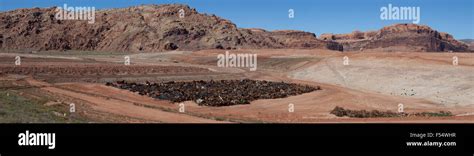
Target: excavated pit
[(216, 93)]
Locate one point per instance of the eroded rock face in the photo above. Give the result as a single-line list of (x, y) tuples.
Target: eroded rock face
[(300, 39), (398, 37), (145, 28), (469, 42)]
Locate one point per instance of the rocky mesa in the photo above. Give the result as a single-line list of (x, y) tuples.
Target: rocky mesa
[(398, 37), (469, 42)]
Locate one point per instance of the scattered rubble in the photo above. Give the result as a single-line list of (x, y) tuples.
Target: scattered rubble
[(215, 93), (341, 112)]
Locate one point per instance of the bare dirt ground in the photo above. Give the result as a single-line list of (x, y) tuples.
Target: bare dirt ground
[(422, 82)]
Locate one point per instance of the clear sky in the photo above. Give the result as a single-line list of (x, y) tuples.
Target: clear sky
[(318, 16)]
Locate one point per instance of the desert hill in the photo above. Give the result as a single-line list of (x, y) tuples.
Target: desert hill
[(151, 28), (144, 28), (398, 37), (469, 42)]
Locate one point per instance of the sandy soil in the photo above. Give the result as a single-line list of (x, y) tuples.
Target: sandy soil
[(420, 81), (418, 75), (122, 107)]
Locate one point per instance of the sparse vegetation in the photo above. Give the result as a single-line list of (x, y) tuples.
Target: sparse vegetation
[(341, 112), (19, 106)]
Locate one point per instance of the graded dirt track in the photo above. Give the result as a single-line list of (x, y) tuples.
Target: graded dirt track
[(371, 81)]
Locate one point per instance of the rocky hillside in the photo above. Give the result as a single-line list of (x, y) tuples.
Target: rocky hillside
[(151, 28), (146, 28), (398, 37), (469, 42)]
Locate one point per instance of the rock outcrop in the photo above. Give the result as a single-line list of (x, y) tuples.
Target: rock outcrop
[(398, 37), (146, 28), (151, 28), (469, 42)]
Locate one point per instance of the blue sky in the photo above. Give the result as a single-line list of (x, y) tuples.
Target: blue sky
[(318, 16)]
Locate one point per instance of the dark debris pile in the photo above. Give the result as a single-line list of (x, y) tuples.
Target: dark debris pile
[(216, 93), (340, 112)]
